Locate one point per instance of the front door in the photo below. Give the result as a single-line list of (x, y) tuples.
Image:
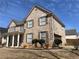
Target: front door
[(10, 41), (21, 39), (15, 40)]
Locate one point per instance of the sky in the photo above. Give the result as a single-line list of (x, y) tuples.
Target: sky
[(66, 10)]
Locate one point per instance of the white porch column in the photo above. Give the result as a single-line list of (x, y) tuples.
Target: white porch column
[(13, 41), (7, 42), (2, 40), (18, 40)]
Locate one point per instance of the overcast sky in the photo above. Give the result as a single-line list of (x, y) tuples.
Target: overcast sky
[(66, 10)]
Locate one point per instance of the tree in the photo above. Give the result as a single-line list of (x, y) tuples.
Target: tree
[(57, 42)]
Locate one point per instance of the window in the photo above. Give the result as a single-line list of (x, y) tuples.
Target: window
[(29, 38), (42, 20), (43, 35), (30, 24), (21, 29), (13, 29)]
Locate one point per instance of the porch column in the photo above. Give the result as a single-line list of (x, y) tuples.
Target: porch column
[(18, 40), (7, 42), (13, 41)]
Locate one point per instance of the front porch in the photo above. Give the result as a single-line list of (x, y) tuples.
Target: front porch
[(14, 39)]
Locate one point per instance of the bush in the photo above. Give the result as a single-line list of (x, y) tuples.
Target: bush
[(35, 41), (41, 42), (57, 42)]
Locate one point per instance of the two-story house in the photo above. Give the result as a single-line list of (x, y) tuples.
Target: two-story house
[(40, 23)]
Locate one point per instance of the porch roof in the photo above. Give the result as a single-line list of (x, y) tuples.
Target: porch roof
[(12, 33)]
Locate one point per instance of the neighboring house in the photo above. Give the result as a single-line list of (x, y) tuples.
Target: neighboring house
[(71, 34), (71, 38), (39, 24), (2, 32)]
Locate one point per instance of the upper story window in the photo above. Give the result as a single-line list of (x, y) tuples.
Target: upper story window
[(13, 29), (42, 20), (30, 24), (22, 29)]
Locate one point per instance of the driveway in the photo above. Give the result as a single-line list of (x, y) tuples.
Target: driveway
[(9, 53)]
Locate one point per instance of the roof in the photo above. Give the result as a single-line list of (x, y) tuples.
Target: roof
[(71, 32), (17, 22), (47, 11)]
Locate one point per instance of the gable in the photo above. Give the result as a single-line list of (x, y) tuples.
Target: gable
[(12, 24), (36, 13)]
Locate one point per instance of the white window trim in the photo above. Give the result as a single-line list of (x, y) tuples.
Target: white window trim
[(43, 37), (30, 25), (43, 22), (21, 29), (29, 38), (13, 29)]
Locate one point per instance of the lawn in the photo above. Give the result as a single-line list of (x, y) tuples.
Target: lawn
[(9, 53)]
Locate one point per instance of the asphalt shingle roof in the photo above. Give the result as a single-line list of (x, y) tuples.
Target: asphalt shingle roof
[(47, 11), (43, 9), (19, 22)]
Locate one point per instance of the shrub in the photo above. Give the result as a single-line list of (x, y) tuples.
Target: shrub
[(41, 42), (35, 41), (57, 42)]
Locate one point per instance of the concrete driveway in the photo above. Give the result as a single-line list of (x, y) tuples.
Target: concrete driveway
[(9, 53)]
